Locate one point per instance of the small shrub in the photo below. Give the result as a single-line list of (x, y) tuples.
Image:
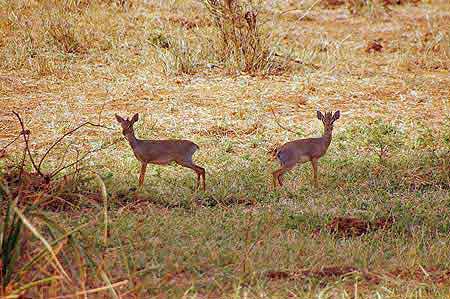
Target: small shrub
[(242, 40), (382, 137)]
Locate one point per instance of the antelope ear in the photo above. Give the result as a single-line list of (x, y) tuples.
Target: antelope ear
[(135, 118), (119, 119), (336, 115), (319, 115)]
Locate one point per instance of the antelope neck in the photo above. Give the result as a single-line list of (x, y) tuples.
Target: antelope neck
[(132, 140), (327, 135)]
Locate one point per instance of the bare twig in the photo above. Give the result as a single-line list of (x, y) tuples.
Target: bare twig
[(77, 166), (11, 142), (64, 136), (81, 159), (59, 168), (62, 160), (75, 172), (25, 134), (22, 165), (279, 124)]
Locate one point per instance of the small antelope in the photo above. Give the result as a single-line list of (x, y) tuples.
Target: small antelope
[(160, 152), (304, 150)]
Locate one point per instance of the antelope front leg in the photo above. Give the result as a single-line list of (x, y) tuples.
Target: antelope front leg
[(314, 166), (142, 175)]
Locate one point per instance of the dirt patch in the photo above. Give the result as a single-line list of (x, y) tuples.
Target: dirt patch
[(348, 226), (374, 46), (323, 273), (400, 2), (354, 227), (430, 275), (332, 3)]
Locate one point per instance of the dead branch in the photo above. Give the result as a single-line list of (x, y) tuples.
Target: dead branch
[(22, 165), (11, 142), (81, 158), (62, 160), (60, 168), (73, 173), (64, 136), (25, 134)]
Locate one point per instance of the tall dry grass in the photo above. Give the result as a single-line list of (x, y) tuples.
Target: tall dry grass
[(47, 37), (243, 42)]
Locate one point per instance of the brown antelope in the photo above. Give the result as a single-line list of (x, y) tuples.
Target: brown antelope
[(304, 150), (161, 152)]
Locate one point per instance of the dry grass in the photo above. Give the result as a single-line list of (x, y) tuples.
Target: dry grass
[(66, 62)]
